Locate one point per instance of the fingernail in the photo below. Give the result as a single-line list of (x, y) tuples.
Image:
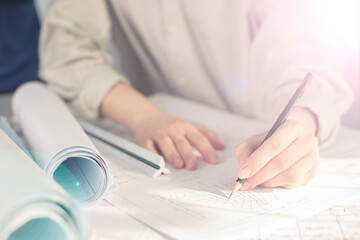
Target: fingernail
[(213, 159), (245, 172), (190, 164), (178, 163)]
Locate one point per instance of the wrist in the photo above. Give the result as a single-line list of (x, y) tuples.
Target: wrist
[(128, 107), (306, 117), (143, 119)]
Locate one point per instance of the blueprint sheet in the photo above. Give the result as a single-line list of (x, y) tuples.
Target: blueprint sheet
[(187, 205), (194, 204)]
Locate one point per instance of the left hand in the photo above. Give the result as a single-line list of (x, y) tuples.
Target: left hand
[(289, 158)]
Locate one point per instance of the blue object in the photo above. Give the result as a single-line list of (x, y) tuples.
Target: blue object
[(19, 35)]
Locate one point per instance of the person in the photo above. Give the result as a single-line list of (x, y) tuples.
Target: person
[(246, 57), (19, 35)]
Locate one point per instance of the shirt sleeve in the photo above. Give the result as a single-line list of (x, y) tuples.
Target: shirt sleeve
[(287, 42), (73, 53)]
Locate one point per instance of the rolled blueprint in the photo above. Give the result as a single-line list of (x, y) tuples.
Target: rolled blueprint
[(58, 144), (32, 205)]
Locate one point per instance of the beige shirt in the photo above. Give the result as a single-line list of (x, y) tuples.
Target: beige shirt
[(245, 56)]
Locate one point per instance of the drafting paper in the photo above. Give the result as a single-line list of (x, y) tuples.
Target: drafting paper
[(58, 144), (194, 204), (32, 205), (110, 223)]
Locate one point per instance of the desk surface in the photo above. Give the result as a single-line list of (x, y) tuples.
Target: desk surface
[(337, 222)]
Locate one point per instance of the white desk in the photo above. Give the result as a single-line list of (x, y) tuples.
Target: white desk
[(337, 222)]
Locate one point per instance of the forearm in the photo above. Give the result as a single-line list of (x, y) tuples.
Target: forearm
[(73, 53), (128, 107)]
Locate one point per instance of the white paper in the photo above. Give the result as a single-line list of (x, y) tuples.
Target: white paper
[(109, 223), (194, 204), (58, 143), (200, 198), (335, 222)]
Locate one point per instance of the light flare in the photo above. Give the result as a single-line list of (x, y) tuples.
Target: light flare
[(340, 21)]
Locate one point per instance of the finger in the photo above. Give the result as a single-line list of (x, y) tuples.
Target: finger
[(307, 177), (184, 148), (150, 145), (214, 140), (201, 143), (282, 138), (169, 151), (295, 175), (245, 149), (310, 175), (280, 163)]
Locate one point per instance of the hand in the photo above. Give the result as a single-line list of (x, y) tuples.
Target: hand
[(157, 131), (289, 158), (174, 139)]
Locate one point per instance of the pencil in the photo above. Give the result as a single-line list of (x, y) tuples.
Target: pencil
[(282, 117)]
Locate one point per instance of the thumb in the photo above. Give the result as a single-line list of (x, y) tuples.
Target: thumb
[(245, 149)]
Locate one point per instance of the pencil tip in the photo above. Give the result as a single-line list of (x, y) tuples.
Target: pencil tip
[(230, 195), (236, 187)]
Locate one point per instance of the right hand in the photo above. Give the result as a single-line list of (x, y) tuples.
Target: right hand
[(174, 138)]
